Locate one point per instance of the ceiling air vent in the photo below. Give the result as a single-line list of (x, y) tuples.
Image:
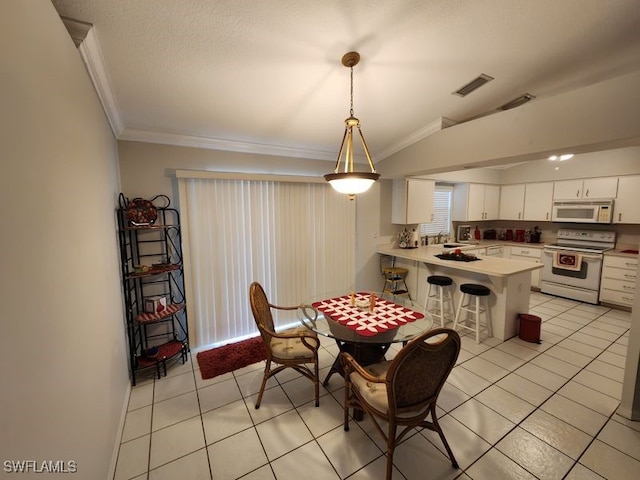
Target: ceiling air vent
[(473, 85), (516, 102)]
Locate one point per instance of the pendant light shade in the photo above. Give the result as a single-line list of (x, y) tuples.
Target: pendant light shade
[(346, 180)]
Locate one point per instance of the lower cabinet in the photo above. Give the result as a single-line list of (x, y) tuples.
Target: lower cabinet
[(618, 282), (528, 254)]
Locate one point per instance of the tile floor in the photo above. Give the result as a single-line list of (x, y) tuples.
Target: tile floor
[(509, 410)]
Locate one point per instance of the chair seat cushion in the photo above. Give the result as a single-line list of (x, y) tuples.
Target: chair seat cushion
[(293, 348), (439, 280), (474, 289), (375, 394)]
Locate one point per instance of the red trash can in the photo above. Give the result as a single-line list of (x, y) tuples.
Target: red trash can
[(530, 328)]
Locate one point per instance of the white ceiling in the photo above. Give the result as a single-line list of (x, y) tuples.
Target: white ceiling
[(267, 75)]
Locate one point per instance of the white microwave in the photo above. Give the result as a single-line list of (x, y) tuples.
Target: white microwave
[(582, 211)]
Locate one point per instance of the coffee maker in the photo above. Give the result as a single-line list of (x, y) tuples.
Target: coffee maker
[(464, 233)]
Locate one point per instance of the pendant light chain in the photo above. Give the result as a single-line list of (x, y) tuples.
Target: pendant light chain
[(351, 110)]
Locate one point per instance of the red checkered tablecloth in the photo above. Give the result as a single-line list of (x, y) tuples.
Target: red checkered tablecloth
[(385, 316)]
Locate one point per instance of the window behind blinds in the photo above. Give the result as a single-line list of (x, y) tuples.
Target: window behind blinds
[(441, 212)]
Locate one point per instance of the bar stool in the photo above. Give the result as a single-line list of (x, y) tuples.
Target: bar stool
[(470, 302), (395, 282), (440, 297)]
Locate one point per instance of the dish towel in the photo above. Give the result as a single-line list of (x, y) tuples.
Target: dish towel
[(567, 261)]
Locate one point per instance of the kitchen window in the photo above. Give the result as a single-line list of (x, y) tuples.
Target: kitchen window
[(441, 212)]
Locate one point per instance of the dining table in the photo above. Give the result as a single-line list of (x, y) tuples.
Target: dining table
[(363, 324)]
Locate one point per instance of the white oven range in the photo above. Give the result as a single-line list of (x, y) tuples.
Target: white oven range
[(572, 266)]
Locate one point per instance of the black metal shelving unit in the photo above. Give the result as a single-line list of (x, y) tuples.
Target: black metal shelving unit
[(152, 267)]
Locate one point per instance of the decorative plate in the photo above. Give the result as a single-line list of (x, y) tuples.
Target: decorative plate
[(141, 212)]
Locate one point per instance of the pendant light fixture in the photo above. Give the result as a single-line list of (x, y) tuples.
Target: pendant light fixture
[(346, 180)]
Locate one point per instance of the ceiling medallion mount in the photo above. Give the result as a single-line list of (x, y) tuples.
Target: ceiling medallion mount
[(347, 181)]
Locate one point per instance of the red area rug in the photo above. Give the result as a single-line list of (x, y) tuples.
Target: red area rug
[(228, 358)]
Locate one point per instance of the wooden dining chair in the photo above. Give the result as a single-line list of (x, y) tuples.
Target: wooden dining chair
[(404, 391), (292, 348)]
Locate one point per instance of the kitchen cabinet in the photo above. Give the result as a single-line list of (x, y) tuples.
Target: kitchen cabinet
[(475, 201), (618, 282), (538, 201), (412, 201), (588, 188), (153, 284), (512, 202), (626, 206), (528, 254)]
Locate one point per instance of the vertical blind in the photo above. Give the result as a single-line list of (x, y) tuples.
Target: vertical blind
[(296, 239), (441, 212)]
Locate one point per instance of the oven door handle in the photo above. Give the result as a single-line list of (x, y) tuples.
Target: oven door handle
[(583, 255)]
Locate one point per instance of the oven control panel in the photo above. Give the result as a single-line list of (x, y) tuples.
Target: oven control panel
[(588, 235)]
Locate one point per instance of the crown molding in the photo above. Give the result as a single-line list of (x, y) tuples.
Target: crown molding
[(425, 131), (178, 139), (91, 54)]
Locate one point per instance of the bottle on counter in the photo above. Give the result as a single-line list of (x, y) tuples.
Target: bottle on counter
[(476, 233)]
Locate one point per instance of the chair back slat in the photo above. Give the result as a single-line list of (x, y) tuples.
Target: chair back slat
[(261, 309)]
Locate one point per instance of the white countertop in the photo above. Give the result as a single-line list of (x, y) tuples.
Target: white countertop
[(492, 266)]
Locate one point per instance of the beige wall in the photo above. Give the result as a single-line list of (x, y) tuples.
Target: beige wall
[(64, 361)]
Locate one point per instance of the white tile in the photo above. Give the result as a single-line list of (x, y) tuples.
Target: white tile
[(541, 376), (174, 410), (141, 396), (613, 359), (466, 445), (327, 416), (505, 403), (194, 466), (169, 387), (569, 356), (176, 441), (417, 456), (581, 417), (580, 472), (588, 397), (301, 390), (536, 456), (262, 473), (599, 333), (226, 421), (496, 465), (621, 437), (556, 365), (590, 340), (599, 383), (307, 461), (250, 383), (468, 343), (517, 350), (609, 462), (218, 394), (348, 451), (176, 367), (502, 359), (201, 383), (609, 327), (137, 424), (485, 369), (282, 434), (375, 470), (582, 348), (450, 397), (274, 402), (133, 458), (618, 349), (467, 381), (525, 389), (557, 433), (236, 455), (485, 422)]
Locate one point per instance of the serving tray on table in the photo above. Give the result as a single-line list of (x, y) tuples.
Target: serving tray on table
[(458, 257)]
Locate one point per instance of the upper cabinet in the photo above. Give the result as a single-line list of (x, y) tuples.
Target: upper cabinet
[(538, 200), (625, 208), (512, 202), (412, 201), (589, 188), (474, 201)]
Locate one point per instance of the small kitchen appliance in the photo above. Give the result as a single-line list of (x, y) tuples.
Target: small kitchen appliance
[(582, 211), (464, 233)]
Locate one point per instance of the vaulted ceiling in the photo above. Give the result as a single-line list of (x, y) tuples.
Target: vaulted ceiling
[(267, 75)]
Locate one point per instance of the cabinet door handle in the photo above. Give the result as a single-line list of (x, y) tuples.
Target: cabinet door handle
[(578, 194), (587, 194), (547, 216), (519, 213), (619, 217)]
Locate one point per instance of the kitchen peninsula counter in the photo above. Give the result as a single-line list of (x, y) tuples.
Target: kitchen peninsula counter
[(509, 280)]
